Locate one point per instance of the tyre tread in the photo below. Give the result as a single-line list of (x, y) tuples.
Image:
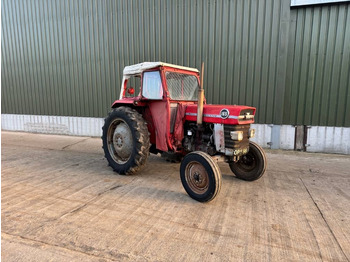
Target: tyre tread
[(142, 138), (216, 171)]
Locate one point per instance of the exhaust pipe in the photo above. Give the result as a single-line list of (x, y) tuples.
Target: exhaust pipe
[(200, 99)]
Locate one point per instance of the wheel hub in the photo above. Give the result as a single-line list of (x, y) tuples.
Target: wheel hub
[(197, 177), (248, 160), (120, 141)]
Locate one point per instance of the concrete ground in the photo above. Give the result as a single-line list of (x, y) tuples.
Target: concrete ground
[(61, 202)]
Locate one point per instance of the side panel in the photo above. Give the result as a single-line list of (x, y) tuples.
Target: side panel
[(160, 115), (147, 115), (179, 124)]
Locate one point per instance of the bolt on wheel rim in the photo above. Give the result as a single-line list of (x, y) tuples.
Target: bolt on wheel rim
[(197, 177), (120, 142)]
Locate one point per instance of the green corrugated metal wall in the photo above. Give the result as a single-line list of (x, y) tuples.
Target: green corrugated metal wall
[(63, 57)]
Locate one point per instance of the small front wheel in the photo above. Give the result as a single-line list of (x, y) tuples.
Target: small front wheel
[(200, 176), (251, 166)]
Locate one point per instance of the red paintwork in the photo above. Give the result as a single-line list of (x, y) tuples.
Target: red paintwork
[(147, 115), (182, 71), (135, 101), (124, 86), (160, 113), (157, 113), (211, 114), (179, 131)]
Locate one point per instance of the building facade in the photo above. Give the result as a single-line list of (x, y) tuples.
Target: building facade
[(62, 62)]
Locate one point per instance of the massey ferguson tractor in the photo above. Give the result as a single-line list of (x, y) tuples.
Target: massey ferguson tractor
[(167, 113)]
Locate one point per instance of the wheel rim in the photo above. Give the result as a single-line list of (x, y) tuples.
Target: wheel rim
[(197, 177), (248, 162), (120, 142)]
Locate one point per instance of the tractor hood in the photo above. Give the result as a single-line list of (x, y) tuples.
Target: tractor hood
[(222, 114)]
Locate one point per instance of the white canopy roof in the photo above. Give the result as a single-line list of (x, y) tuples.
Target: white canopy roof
[(139, 68)]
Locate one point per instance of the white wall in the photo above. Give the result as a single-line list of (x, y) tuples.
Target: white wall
[(320, 138), (63, 125), (329, 139)]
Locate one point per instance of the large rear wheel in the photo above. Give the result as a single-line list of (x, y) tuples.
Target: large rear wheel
[(125, 140), (200, 176), (251, 166)]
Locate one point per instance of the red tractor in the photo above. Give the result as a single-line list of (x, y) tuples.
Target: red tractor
[(162, 109)]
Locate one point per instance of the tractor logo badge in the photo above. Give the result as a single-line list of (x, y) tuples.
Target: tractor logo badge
[(224, 113)]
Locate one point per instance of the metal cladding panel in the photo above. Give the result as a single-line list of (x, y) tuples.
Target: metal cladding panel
[(317, 90), (63, 57)]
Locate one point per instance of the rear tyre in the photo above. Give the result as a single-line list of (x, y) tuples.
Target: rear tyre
[(125, 140), (251, 166), (200, 176)]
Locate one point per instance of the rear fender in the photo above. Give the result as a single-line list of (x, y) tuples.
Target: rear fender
[(133, 102), (142, 109)]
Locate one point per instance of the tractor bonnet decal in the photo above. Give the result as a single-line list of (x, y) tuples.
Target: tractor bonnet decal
[(211, 115), (224, 113)]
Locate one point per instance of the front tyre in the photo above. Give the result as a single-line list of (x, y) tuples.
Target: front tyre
[(200, 176), (251, 166), (125, 140)]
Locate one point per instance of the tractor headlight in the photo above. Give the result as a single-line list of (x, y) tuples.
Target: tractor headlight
[(251, 132), (236, 135)]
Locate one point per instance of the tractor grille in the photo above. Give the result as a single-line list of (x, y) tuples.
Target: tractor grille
[(235, 145), (246, 114)]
